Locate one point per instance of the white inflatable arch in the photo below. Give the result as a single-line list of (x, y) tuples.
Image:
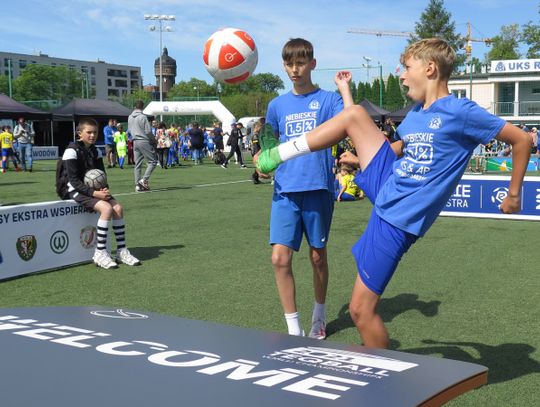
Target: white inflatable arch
[(214, 107)]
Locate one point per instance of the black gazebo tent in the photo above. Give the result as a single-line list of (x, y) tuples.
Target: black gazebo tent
[(400, 114), (10, 109), (98, 109), (375, 112), (101, 110)]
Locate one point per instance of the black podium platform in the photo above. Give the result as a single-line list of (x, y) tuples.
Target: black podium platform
[(98, 356)]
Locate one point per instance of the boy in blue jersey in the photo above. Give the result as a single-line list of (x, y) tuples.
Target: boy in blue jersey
[(303, 200), (410, 181)]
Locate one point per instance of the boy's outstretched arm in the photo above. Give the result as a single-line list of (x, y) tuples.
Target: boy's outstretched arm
[(342, 80), (521, 152)]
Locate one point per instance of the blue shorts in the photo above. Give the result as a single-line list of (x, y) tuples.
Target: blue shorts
[(7, 152), (296, 213), (381, 246)]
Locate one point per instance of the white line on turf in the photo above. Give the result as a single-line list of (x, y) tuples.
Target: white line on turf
[(214, 184)]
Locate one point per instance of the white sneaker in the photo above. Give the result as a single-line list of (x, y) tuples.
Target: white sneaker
[(103, 259), (318, 329), (124, 256)]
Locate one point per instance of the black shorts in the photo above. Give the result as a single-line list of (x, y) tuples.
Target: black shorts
[(87, 201), (219, 145), (110, 148)]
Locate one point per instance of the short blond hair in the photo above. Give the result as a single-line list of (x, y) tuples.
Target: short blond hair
[(432, 49)]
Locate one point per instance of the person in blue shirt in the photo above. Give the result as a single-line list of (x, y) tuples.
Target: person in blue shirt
[(409, 181), (108, 139), (303, 200)]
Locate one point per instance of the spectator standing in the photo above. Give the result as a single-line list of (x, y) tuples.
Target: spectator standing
[(24, 134), (235, 138), (121, 144), (197, 143), (108, 139), (144, 146), (163, 144), (218, 136)]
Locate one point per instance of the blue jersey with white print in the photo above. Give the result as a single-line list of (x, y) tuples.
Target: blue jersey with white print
[(438, 143), (292, 116)]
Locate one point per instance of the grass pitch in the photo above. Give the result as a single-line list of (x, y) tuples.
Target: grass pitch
[(468, 291)]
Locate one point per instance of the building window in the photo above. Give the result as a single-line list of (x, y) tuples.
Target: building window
[(109, 82), (22, 63), (459, 93), (114, 92), (120, 83), (93, 70), (117, 73)]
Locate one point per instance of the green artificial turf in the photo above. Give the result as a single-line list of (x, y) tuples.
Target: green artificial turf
[(469, 290)]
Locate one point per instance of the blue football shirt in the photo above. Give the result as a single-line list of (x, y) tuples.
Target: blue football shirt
[(292, 116), (438, 143)]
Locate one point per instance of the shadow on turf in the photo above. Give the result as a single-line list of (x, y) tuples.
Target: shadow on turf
[(505, 362), (389, 308), (151, 252)]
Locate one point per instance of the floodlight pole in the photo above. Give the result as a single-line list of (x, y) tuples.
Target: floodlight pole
[(160, 18)]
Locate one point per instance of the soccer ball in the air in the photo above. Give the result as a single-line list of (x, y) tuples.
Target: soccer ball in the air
[(230, 55), (96, 179)]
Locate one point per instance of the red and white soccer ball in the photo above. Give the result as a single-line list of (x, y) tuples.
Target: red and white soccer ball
[(230, 55)]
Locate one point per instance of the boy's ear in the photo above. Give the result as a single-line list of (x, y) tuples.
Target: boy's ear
[(313, 63), (431, 68)]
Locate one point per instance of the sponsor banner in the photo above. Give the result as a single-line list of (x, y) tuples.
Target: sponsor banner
[(479, 196), (504, 164), (43, 236), (515, 65), (45, 153), (93, 352)]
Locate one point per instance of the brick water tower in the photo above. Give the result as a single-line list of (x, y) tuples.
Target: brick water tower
[(168, 68)]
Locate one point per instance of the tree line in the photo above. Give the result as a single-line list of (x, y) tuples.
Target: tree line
[(250, 98)]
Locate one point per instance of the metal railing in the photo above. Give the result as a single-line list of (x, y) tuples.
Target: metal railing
[(528, 108)]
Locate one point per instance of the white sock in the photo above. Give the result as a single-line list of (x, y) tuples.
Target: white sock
[(294, 148), (319, 312), (293, 324)]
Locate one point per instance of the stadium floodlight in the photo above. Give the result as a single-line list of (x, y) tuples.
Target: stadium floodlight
[(160, 18)]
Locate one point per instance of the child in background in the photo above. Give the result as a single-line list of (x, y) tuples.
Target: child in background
[(346, 189), (120, 140), (7, 149)]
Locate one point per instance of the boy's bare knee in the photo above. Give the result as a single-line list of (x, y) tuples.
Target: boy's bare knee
[(361, 313), (318, 258), (281, 259)]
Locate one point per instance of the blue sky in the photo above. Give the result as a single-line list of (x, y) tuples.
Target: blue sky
[(115, 30)]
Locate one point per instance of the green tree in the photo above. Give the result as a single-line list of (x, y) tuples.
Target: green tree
[(360, 92), (4, 84), (394, 98), (137, 94), (191, 89), (436, 21), (43, 82), (505, 45), (530, 35)]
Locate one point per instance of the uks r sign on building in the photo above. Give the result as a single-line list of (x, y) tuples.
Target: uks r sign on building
[(515, 65), (44, 236)]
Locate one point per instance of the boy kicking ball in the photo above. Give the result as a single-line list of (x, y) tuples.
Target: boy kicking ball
[(410, 181), (79, 158)]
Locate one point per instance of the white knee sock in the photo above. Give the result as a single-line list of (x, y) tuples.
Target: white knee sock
[(294, 148), (293, 324)]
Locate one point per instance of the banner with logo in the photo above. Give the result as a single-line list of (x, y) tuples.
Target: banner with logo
[(44, 236), (45, 153), (479, 196), (515, 65)]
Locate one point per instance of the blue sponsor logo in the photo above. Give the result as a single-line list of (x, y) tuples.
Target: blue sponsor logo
[(500, 67)]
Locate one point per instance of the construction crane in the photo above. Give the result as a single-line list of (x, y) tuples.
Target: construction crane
[(467, 41), (380, 33)]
